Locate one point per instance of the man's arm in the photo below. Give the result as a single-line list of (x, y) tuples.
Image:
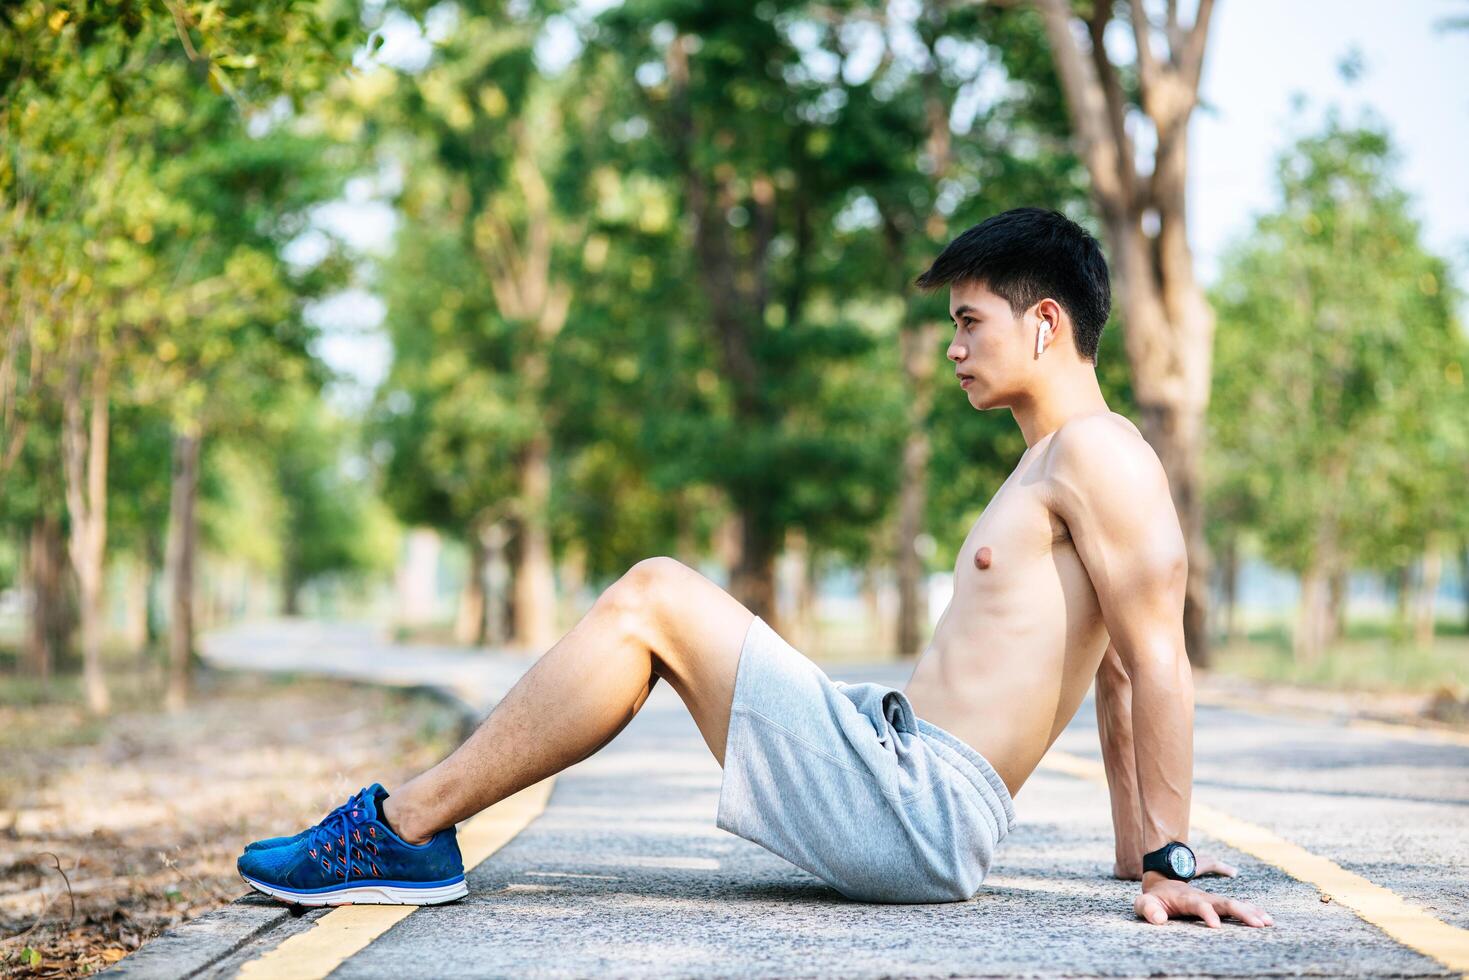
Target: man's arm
[(1106, 483), (1114, 724)]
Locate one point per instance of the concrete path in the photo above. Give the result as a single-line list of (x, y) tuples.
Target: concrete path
[(625, 874)]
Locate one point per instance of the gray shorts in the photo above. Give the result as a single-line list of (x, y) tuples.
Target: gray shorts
[(845, 781)]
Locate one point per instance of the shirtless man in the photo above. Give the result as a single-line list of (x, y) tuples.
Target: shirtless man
[(1074, 571)]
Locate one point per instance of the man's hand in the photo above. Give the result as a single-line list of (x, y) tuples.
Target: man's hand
[(1164, 898), (1207, 865)]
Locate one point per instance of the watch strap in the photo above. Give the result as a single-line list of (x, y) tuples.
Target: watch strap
[(1158, 861)]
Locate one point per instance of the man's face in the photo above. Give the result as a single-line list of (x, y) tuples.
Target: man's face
[(990, 345)]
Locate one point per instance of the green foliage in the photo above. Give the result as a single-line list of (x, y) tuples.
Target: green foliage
[(1337, 420), (331, 523), (447, 419), (153, 168), (736, 203)]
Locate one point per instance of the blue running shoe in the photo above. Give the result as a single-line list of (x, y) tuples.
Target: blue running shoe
[(353, 857), (354, 801)]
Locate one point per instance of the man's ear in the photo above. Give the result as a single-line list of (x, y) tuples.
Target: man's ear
[(1047, 316)]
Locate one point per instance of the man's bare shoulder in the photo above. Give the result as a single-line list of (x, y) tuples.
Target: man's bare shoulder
[(1108, 487), (1102, 459)]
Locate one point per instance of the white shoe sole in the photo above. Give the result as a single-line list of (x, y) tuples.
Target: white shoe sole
[(366, 894)]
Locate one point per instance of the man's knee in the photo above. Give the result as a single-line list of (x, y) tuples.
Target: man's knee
[(644, 593)]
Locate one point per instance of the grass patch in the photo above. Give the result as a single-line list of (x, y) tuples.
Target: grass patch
[(1366, 660)]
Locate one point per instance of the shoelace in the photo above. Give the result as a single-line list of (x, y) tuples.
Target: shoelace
[(340, 826), (337, 827), (353, 802)]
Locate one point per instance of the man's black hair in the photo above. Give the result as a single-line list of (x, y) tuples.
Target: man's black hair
[(1026, 255)]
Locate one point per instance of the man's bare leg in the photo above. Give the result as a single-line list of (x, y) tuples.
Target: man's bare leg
[(661, 619)]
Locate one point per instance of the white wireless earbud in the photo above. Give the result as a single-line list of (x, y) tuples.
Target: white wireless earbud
[(1041, 335)]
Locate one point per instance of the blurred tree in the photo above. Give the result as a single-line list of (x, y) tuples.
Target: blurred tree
[(480, 126), (1168, 325), (325, 529), (935, 159), (1338, 421), (138, 491), (770, 391), (446, 420), (87, 91), (239, 344), (31, 510)]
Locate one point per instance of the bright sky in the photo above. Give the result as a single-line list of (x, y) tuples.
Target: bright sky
[(1262, 53)]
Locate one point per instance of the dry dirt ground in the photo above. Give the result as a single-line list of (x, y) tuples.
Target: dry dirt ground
[(112, 832)]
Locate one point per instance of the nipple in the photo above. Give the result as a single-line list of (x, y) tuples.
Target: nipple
[(982, 557)]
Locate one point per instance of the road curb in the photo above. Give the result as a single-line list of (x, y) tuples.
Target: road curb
[(197, 945)]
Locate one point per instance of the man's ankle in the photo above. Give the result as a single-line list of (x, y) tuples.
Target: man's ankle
[(399, 819)]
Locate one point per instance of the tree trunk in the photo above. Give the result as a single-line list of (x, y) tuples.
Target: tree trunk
[(1309, 638), (727, 538), (84, 456), (1336, 605), (522, 280), (917, 352), (1313, 631), (808, 598), (872, 603), (753, 582), (1177, 435), (736, 283), (290, 594), (573, 575), (535, 585), (1229, 582), (46, 583), (182, 544), (1168, 325), (1425, 615), (499, 598), (1464, 581), (469, 624), (1400, 578), (798, 574)]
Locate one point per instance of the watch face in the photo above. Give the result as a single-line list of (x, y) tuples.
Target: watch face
[(1182, 861)]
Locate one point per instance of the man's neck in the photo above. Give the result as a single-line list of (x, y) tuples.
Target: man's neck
[(1057, 398)]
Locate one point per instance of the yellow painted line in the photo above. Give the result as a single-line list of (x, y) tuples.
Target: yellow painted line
[(1402, 920), (335, 936), (348, 929)]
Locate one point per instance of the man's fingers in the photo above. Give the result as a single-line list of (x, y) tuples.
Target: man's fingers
[(1240, 911), (1214, 866), (1204, 909), (1247, 913), (1150, 908)]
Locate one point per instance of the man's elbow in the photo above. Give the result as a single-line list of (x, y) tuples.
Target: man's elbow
[(1159, 659)]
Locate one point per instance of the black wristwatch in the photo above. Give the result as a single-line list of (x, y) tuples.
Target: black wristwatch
[(1173, 860)]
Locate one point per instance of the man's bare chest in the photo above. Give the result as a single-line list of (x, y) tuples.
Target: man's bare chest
[(1015, 533)]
